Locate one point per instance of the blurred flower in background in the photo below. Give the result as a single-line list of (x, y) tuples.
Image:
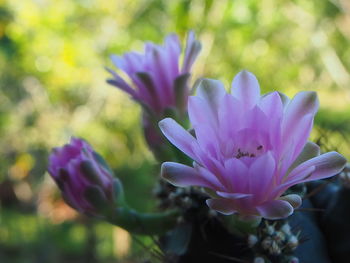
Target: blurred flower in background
[(160, 82)]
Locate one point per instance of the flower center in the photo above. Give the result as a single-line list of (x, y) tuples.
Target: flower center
[(250, 153)]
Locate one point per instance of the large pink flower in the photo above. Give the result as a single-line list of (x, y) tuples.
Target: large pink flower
[(159, 81), (249, 149)]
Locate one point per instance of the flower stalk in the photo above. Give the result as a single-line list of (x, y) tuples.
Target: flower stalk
[(144, 223)]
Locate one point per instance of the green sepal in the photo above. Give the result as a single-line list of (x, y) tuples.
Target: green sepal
[(241, 226), (118, 192), (95, 196), (98, 158), (90, 173)]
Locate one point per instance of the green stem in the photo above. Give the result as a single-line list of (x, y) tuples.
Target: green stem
[(240, 226), (144, 223)]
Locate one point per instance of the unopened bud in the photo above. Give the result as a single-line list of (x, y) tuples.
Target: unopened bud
[(293, 242), (270, 230), (286, 229), (84, 178), (252, 240), (275, 248), (266, 243)]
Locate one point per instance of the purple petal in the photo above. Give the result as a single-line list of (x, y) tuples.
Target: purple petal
[(193, 47), (233, 195), (231, 118), (212, 91), (155, 99), (157, 61), (224, 206), (245, 87), (294, 200), (309, 151), (284, 98), (178, 136), (290, 182), (207, 139), (200, 112), (183, 175), (275, 209), (205, 105), (261, 174), (271, 104), (300, 135), (118, 82), (130, 63), (236, 175), (173, 50), (326, 165), (302, 104)]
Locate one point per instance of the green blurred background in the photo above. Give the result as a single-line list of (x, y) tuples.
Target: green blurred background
[(52, 80)]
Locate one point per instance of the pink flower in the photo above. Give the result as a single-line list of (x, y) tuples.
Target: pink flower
[(160, 82), (84, 179), (249, 149)]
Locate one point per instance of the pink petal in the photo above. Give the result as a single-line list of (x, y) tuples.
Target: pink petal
[(284, 98), (233, 195), (224, 206), (193, 47), (294, 200), (208, 140), (212, 91), (256, 119), (302, 104), (155, 99), (230, 116), (205, 105), (290, 182), (326, 165), (236, 175), (183, 175), (271, 104), (118, 82), (309, 151), (214, 178), (261, 174), (173, 49), (302, 133), (275, 209), (178, 136), (200, 112), (157, 60), (245, 87)]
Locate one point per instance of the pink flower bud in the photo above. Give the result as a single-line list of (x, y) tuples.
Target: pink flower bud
[(85, 180)]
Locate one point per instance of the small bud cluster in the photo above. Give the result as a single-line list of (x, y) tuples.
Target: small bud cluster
[(189, 199), (275, 241)]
